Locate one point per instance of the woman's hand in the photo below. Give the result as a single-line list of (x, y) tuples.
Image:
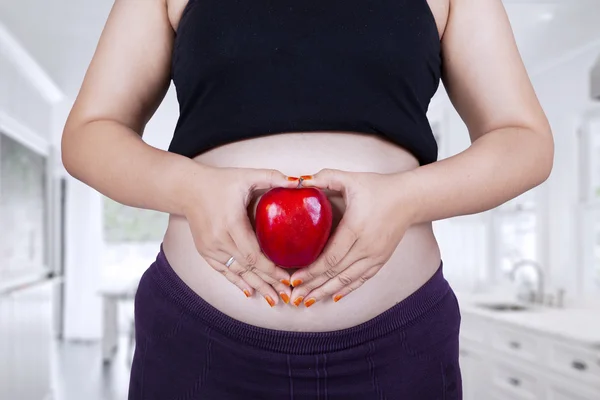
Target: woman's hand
[(371, 228), (218, 217)]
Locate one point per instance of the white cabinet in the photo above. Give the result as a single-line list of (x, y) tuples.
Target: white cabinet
[(519, 383), (516, 344), (474, 374), (574, 361), (503, 361), (560, 393)]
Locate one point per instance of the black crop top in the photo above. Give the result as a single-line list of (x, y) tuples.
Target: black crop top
[(244, 69)]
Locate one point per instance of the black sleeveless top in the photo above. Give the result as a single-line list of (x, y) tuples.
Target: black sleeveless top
[(244, 69)]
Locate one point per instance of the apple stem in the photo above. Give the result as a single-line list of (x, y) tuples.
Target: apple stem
[(299, 183)]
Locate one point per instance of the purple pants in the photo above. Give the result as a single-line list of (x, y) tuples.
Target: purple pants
[(187, 349)]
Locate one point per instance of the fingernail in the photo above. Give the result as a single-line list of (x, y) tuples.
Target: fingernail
[(292, 179), (284, 297), (297, 282), (306, 177), (337, 297), (270, 301), (247, 292), (298, 301), (285, 282), (309, 302)]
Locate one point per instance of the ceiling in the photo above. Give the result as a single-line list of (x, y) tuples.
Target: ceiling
[(61, 34), (548, 30)]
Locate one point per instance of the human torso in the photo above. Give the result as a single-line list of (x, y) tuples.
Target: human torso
[(299, 153)]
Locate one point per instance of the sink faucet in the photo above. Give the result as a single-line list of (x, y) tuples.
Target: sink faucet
[(538, 296)]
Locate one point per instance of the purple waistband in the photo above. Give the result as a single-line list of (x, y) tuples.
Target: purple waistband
[(395, 318)]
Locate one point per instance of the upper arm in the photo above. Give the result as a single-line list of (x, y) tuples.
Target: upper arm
[(483, 72), (130, 71)]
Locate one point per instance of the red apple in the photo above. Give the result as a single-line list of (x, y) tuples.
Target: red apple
[(293, 225)]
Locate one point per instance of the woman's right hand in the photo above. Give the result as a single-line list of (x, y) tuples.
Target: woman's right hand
[(216, 210)]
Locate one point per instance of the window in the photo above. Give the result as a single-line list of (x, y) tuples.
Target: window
[(132, 239), (515, 231), (589, 210), (23, 208)]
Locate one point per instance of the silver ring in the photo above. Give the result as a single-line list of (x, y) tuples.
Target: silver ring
[(229, 262)]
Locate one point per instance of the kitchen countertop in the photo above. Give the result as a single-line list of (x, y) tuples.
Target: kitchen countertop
[(571, 323)]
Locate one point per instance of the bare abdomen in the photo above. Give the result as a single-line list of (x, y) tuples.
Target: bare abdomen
[(412, 264)]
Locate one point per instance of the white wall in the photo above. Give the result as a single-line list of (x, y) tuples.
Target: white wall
[(159, 131), (83, 263)]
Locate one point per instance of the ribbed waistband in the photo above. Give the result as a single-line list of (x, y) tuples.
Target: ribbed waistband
[(393, 319)]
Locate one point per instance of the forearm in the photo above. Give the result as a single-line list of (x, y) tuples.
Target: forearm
[(115, 161), (496, 168)]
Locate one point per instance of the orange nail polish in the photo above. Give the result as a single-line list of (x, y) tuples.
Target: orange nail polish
[(297, 282), (298, 301), (270, 301), (337, 297), (285, 282), (306, 177), (247, 292), (310, 302), (292, 179), (284, 297)]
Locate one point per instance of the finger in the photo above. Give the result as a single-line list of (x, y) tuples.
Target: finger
[(347, 281), (301, 292), (270, 178), (262, 287), (250, 276), (283, 287), (279, 285), (234, 278), (250, 255), (332, 179), (356, 284), (219, 255), (337, 248), (257, 279)]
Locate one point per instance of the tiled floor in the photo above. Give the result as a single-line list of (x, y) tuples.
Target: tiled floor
[(79, 373)]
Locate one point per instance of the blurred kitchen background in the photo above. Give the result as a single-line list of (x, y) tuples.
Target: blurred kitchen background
[(527, 273)]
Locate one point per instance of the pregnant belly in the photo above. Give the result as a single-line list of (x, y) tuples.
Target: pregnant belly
[(413, 262)]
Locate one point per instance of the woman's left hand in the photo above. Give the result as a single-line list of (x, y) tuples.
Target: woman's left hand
[(377, 216)]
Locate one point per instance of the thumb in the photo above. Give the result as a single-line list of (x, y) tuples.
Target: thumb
[(270, 178), (332, 179)]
